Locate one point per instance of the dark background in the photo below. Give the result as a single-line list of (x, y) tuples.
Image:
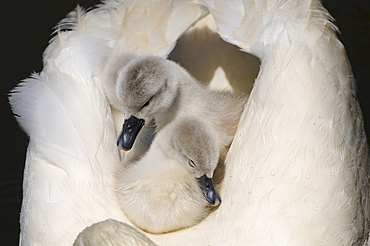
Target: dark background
[(26, 28)]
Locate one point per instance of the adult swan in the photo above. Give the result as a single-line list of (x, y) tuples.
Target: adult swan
[(297, 172)]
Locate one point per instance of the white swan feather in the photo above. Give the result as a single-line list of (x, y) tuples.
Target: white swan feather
[(297, 172)]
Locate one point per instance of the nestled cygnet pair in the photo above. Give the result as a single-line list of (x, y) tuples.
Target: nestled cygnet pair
[(171, 186), (150, 87)]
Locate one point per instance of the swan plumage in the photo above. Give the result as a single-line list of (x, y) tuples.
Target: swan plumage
[(297, 172), (171, 187)]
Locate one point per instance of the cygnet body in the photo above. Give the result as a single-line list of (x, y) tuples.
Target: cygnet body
[(171, 187), (150, 87)]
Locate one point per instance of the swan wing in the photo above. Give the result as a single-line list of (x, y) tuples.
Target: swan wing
[(297, 171), (72, 154), (70, 160)]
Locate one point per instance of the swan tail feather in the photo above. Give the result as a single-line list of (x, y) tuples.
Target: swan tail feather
[(54, 100)]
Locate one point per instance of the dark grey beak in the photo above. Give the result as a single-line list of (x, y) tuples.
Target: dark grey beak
[(130, 129), (209, 191)]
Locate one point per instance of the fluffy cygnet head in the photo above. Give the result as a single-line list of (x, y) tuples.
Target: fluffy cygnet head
[(171, 188), (146, 87), (196, 144), (111, 232)]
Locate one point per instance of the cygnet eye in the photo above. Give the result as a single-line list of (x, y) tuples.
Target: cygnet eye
[(192, 164), (145, 104)]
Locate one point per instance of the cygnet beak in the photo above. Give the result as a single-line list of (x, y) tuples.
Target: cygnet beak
[(209, 191), (130, 129)]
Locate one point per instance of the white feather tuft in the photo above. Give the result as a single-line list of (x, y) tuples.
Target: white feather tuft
[(73, 21)]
